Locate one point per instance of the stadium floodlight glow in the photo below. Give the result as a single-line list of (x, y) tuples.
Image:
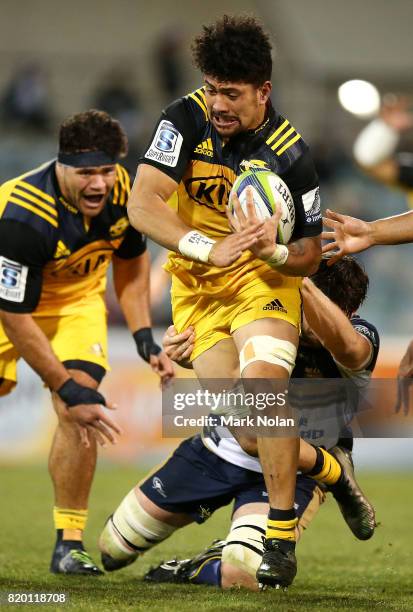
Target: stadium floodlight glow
[(359, 97)]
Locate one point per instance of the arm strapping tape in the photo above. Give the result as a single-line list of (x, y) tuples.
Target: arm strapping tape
[(196, 246), (279, 257)]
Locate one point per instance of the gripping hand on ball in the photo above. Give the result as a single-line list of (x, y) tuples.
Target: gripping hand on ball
[(263, 248), (226, 251)]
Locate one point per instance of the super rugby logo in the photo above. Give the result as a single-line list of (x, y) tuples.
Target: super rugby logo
[(212, 191), (13, 277), (166, 145)]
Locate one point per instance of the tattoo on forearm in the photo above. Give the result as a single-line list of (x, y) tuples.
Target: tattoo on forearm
[(297, 248)]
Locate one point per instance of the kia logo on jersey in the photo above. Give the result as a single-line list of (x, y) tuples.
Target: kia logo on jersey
[(212, 191)]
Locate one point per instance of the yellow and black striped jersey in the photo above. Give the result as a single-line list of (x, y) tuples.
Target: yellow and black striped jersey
[(186, 147), (49, 257)]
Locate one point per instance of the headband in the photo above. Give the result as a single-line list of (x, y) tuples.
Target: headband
[(86, 158)]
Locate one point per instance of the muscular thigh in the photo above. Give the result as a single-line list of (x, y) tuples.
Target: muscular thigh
[(193, 482), (210, 318), (79, 340), (220, 361), (277, 328)]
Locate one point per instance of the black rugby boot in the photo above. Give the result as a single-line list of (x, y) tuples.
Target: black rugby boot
[(354, 505)]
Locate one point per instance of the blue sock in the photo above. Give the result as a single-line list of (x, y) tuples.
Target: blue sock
[(210, 573)]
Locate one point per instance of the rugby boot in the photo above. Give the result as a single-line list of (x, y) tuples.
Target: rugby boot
[(186, 569), (356, 509), (278, 566), (71, 558)]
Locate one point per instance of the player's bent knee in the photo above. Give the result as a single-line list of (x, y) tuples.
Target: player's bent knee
[(63, 414), (243, 552), (268, 349), (248, 444), (130, 532)]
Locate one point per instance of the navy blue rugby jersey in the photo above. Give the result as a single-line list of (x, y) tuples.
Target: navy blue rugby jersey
[(327, 408)]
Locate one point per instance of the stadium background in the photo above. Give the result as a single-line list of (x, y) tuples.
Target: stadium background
[(60, 59)]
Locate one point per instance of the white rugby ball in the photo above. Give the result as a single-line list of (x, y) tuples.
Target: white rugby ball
[(268, 189)]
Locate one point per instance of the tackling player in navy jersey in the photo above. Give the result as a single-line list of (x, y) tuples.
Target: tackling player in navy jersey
[(211, 471)]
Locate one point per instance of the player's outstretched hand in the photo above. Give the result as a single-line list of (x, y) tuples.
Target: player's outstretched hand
[(179, 347), (85, 406), (93, 422), (405, 379), (348, 235)]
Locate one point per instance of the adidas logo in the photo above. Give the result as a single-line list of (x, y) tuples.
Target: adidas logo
[(61, 251), (205, 148), (275, 305)]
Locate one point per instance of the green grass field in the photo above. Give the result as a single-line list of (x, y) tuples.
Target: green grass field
[(335, 571)]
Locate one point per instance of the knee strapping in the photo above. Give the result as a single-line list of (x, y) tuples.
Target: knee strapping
[(244, 546), (131, 531), (269, 349)]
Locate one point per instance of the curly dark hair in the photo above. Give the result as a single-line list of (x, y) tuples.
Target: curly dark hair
[(235, 48), (345, 283), (93, 130)]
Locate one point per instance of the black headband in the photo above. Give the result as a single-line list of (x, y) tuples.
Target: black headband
[(86, 159)]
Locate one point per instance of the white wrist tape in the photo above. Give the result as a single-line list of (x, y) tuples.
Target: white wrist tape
[(196, 246), (375, 143), (279, 257)]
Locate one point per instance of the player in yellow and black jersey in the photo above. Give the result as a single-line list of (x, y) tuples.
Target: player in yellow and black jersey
[(205, 168), (60, 227), (228, 276)]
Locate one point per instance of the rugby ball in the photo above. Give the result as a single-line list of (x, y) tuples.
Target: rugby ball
[(268, 189)]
